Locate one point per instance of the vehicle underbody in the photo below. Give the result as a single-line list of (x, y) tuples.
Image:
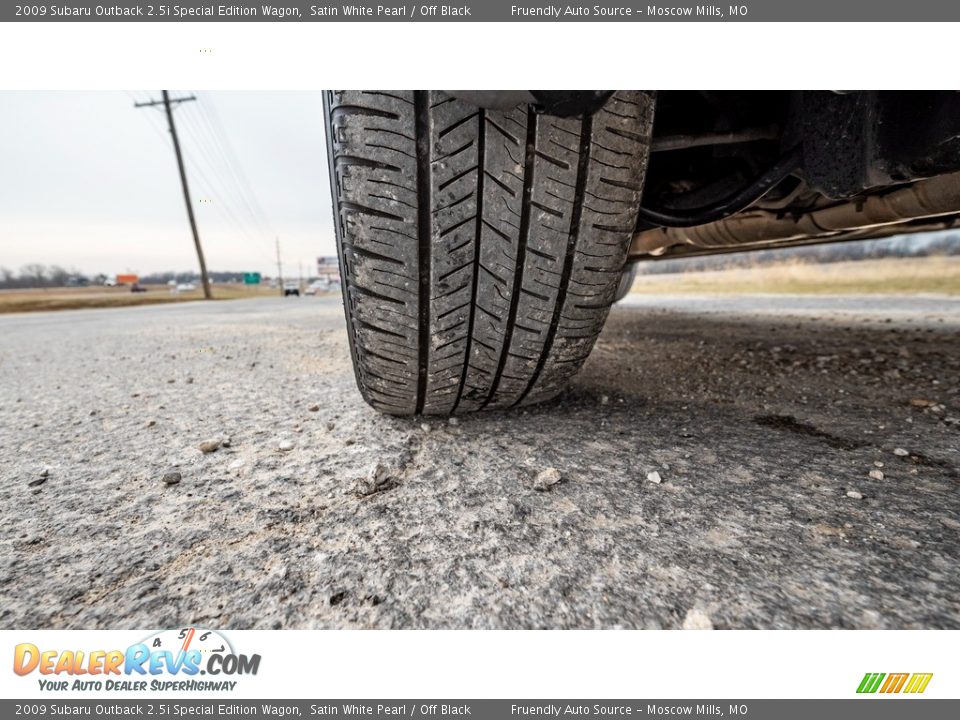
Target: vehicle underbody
[(851, 165), (739, 170)]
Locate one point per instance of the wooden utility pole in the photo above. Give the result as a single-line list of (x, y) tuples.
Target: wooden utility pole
[(168, 105), (279, 270)]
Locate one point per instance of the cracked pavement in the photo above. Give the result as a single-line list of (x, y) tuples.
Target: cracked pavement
[(808, 451)]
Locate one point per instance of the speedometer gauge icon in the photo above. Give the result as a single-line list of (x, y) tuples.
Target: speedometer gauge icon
[(182, 640)]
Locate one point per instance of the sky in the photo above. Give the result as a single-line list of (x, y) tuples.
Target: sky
[(89, 182)]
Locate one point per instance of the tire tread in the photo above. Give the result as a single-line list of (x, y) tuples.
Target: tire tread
[(480, 250)]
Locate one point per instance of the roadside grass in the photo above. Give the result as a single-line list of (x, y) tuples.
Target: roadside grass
[(896, 276), (43, 299)]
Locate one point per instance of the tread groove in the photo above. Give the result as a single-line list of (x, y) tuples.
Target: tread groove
[(478, 232), (361, 110), (521, 253), (363, 252), (367, 210), (421, 101), (462, 121), (586, 132), (348, 160)]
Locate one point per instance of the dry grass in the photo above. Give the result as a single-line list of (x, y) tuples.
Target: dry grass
[(889, 275), (884, 276), (98, 297)]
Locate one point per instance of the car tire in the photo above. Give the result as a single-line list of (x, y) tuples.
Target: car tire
[(627, 278), (480, 250)]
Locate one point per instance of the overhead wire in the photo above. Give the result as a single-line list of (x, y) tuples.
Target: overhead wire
[(220, 155), (223, 207), (218, 188), (208, 111)]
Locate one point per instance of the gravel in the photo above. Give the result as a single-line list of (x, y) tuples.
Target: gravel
[(382, 478), (546, 479), (697, 619), (768, 412), (209, 446)]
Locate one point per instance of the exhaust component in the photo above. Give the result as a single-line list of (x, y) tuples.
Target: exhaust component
[(684, 142), (923, 199), (735, 203)]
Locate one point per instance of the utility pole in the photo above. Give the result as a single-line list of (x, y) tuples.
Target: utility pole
[(168, 105), (279, 270), (301, 276)]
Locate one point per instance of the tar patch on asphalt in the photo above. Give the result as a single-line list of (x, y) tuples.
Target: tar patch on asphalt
[(788, 423)]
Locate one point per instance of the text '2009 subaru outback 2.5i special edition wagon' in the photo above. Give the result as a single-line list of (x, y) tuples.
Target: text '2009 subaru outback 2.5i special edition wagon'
[(484, 235)]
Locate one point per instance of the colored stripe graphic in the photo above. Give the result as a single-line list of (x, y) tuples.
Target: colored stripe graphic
[(918, 682), (895, 683), (870, 682)]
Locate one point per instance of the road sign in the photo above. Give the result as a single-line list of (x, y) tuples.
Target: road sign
[(251, 278)]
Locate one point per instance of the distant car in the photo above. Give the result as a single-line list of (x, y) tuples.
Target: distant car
[(186, 287), (137, 287), (109, 282), (291, 289), (317, 286)]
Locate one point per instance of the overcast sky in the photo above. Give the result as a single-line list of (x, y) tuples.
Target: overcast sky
[(87, 181)]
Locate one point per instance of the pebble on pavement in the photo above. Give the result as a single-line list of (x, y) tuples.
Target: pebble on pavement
[(546, 479), (209, 446)]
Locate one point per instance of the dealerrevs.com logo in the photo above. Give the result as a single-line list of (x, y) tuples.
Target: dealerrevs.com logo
[(169, 660), (910, 683)]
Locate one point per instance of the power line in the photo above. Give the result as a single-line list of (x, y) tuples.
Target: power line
[(210, 135), (215, 165), (168, 106), (208, 110), (224, 178), (220, 155), (224, 207), (216, 190)]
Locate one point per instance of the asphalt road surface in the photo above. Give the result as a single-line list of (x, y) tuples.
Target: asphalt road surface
[(807, 452)]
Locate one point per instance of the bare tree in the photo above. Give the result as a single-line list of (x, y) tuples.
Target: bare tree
[(57, 276), (33, 275)]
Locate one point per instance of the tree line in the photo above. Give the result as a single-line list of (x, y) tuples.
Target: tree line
[(38, 275)]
